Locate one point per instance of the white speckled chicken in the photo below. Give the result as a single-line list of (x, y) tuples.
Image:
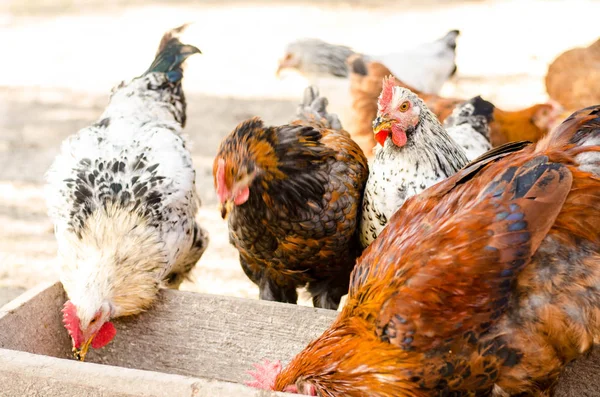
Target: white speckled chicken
[(416, 151), (122, 196)]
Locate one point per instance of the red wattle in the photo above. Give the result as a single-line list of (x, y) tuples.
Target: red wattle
[(381, 136), (242, 196), (398, 136), (106, 333)]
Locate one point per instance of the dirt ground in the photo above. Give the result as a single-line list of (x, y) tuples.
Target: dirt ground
[(61, 58)]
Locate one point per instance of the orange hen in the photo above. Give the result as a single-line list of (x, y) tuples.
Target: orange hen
[(486, 280), (366, 83)]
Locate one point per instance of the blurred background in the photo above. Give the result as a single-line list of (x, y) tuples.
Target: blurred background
[(61, 58)]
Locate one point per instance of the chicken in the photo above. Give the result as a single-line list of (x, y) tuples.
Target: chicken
[(366, 81), (426, 67), (469, 126), (484, 283), (507, 126), (529, 124), (122, 197), (416, 153), (292, 195), (573, 78)]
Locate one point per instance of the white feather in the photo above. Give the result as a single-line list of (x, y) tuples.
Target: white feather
[(121, 194)]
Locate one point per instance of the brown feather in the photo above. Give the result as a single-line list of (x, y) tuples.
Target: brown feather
[(488, 280), (297, 227)]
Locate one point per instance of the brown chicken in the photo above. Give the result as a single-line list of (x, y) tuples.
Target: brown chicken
[(508, 126), (486, 281), (293, 194), (573, 78)]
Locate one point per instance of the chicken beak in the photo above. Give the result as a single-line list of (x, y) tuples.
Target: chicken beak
[(381, 128), (80, 354), (286, 63), (280, 67), (225, 208), (381, 123)]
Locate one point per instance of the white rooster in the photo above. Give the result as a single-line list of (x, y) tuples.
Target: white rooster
[(122, 197)]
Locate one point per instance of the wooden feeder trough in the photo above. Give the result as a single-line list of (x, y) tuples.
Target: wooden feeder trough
[(188, 344)]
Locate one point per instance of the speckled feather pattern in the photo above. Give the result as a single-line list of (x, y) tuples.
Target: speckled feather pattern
[(398, 173), (122, 196)]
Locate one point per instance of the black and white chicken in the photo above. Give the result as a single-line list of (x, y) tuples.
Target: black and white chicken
[(121, 194), (416, 152)]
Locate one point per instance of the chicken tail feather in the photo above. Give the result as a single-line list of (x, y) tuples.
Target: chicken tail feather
[(450, 38), (314, 108)]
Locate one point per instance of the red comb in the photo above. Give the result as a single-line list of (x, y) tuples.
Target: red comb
[(265, 374), (387, 91), (71, 322)]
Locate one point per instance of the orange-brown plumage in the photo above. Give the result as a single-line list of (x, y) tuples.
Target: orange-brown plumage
[(486, 280), (573, 78), (292, 193), (366, 83)]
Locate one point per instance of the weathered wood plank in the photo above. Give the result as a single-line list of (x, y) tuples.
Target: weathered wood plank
[(185, 333), (213, 337), (580, 377), (7, 294), (32, 322), (208, 337), (30, 375)]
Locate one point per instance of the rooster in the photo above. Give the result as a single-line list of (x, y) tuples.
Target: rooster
[(416, 152), (366, 80), (122, 197), (485, 283), (292, 195)]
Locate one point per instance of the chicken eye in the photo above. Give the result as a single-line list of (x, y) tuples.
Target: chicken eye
[(93, 321), (404, 106)]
